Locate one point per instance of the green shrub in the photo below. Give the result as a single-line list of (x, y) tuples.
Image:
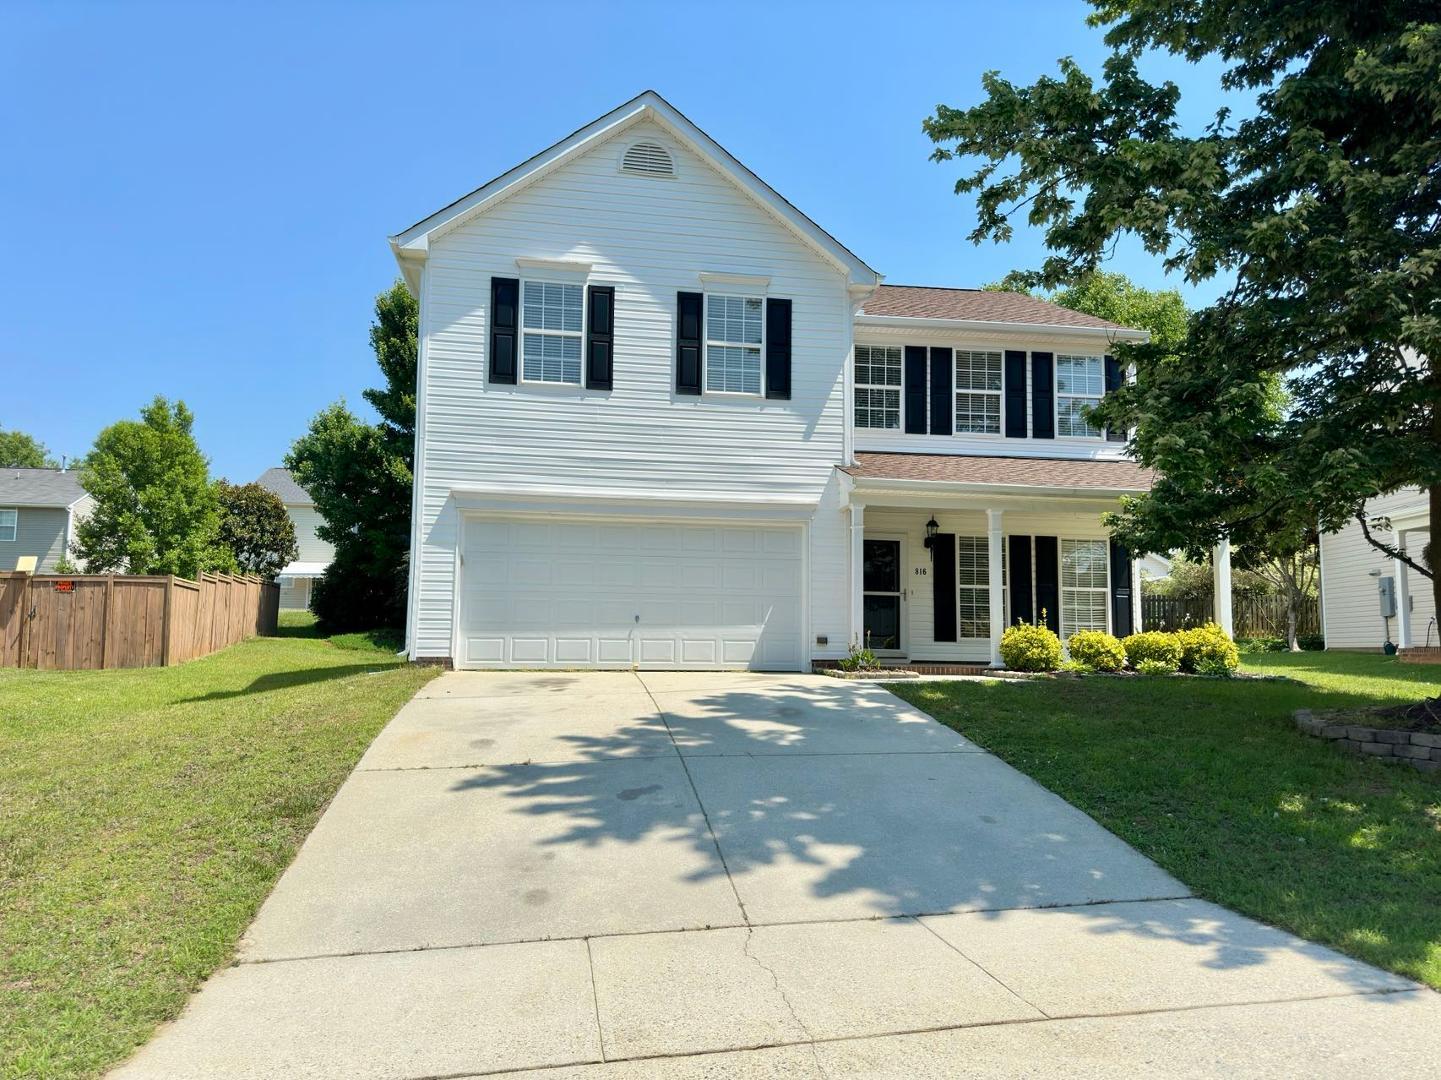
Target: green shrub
[(1027, 647), (1097, 649), (1156, 667), (1215, 666), (1153, 645), (1207, 648), (859, 659), (1248, 645), (1075, 667)]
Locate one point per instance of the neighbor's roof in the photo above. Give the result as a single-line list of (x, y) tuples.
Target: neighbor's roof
[(411, 245), (39, 487), (283, 484), (977, 305), (994, 471)]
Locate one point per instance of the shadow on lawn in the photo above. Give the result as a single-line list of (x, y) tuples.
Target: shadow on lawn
[(921, 828), (287, 680)]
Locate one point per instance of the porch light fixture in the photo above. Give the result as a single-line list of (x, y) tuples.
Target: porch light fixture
[(931, 529)]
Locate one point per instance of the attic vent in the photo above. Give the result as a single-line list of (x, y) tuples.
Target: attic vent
[(647, 159)]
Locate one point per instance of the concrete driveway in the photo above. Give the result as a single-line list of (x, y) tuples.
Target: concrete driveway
[(706, 875)]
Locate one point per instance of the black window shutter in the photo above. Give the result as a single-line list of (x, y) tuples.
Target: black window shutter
[(943, 404), (688, 317), (915, 378), (1043, 396), (1018, 565), (1113, 383), (1015, 394), (778, 348), (1048, 581), (943, 586), (1122, 622), (504, 321), (600, 337)]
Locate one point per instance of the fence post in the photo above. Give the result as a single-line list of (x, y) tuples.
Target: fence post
[(169, 611), (105, 622), (25, 609)]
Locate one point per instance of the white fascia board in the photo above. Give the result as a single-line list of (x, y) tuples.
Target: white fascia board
[(648, 105), (986, 326)]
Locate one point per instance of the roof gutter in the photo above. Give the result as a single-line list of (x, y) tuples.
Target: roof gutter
[(989, 326)]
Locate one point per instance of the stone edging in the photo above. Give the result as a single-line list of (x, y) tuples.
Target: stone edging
[(1415, 748), (885, 675)]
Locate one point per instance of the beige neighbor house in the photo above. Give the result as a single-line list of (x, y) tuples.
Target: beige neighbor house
[(1357, 580), (38, 512), (297, 579)]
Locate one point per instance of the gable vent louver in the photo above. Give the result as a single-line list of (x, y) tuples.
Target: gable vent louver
[(647, 159)]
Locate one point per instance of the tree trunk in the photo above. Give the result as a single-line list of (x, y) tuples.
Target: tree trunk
[(1434, 535), (1291, 642)]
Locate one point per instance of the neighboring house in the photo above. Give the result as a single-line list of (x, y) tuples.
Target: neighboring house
[(297, 579), (1155, 567), (38, 512), (1353, 574), (665, 420)]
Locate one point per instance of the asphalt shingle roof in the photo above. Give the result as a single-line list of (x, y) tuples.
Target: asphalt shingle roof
[(39, 487), (978, 305), (1008, 471), (283, 484)]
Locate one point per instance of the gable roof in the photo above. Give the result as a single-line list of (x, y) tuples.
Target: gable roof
[(893, 304), (39, 487), (281, 483), (410, 245)]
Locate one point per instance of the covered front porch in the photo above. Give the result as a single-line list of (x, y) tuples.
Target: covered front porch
[(945, 554)]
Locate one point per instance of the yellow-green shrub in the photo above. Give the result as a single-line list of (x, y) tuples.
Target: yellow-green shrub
[(1153, 645), (1097, 649), (1027, 647), (1207, 649)]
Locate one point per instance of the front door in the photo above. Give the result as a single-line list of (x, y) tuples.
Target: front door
[(881, 582)]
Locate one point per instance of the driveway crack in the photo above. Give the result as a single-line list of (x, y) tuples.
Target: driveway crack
[(810, 1038)]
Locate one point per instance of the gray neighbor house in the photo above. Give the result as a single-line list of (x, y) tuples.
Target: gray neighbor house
[(38, 512)]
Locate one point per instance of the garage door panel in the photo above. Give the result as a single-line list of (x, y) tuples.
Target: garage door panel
[(568, 592)]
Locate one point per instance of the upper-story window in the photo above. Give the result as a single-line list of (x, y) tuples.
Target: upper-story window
[(1080, 384), (978, 392), (552, 315), (9, 524), (734, 332), (878, 386)]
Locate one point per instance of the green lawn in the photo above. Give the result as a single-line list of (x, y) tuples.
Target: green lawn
[(1211, 780), (145, 814)]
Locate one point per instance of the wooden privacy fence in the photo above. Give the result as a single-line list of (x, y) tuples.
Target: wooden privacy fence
[(73, 622), (1251, 616)]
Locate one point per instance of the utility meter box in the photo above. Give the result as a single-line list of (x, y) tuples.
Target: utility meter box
[(1386, 587)]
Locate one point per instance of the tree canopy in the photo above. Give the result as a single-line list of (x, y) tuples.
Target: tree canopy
[(1320, 209), (255, 528), (156, 511), (21, 451)]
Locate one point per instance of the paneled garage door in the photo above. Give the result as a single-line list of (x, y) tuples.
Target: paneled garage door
[(576, 593)]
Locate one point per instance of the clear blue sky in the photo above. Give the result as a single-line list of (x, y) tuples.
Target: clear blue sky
[(195, 198)]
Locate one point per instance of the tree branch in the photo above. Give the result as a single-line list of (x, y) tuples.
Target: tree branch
[(1388, 549)]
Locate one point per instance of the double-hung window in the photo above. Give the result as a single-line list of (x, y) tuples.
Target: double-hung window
[(878, 386), (552, 317), (973, 581), (9, 524), (1080, 383), (1085, 586), (978, 392), (734, 334)]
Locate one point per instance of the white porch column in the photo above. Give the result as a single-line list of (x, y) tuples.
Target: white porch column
[(997, 584), (1403, 596), (1136, 607), (1221, 584), (858, 563)]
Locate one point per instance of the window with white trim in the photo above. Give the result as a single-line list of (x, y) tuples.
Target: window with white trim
[(734, 331), (9, 524), (551, 317), (878, 386), (973, 580), (1080, 384), (1085, 586), (978, 392)]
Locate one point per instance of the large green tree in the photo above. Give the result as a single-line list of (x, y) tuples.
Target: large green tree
[(1320, 211), (359, 475), (256, 529), (21, 451), (156, 511)]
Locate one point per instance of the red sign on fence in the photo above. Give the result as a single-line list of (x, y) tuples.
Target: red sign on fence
[(65, 586)]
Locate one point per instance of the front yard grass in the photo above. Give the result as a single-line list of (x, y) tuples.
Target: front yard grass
[(145, 814), (1211, 779)]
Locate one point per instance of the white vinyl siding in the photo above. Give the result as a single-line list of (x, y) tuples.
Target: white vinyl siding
[(9, 525), (734, 333), (1085, 586), (1080, 384), (978, 392), (306, 520), (878, 386), (973, 582), (552, 315), (1349, 594)]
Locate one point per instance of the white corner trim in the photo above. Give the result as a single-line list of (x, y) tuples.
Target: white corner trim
[(562, 266), (735, 281)]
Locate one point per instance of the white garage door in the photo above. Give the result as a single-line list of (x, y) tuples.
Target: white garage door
[(576, 593)]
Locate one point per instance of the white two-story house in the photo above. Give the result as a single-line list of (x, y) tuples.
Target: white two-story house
[(667, 421), (298, 578)]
